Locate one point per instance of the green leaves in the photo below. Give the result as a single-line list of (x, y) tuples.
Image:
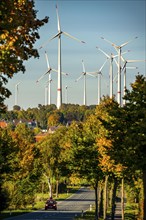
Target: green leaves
[(17, 38)]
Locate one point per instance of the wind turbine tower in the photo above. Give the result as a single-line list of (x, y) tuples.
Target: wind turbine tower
[(84, 73), (118, 48), (16, 93)]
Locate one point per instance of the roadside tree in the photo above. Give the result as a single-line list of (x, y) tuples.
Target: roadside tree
[(135, 113)]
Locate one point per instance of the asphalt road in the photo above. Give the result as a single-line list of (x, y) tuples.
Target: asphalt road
[(66, 210)]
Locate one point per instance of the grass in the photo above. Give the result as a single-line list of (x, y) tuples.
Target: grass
[(12, 213), (39, 203), (131, 211)]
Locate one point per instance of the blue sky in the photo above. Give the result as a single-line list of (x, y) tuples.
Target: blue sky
[(117, 21)]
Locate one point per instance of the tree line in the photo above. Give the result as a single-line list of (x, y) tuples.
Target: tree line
[(106, 149)]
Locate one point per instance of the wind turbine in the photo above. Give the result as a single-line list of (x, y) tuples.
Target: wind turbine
[(66, 94), (49, 80), (124, 68), (16, 93), (58, 35), (84, 73), (99, 73), (118, 48), (111, 58)]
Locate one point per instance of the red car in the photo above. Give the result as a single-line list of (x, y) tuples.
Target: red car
[(51, 204)]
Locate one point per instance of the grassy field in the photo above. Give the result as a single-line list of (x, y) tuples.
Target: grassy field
[(39, 203)]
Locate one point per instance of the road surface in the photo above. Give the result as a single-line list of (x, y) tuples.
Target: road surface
[(75, 205)]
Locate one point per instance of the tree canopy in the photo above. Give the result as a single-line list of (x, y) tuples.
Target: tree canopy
[(17, 38)]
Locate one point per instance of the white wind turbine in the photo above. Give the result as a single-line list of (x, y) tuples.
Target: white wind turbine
[(66, 94), (118, 48), (99, 73), (16, 93), (58, 35), (124, 68), (111, 58), (84, 73), (50, 69)]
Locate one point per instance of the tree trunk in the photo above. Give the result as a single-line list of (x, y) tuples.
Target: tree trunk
[(101, 203), (49, 184), (122, 198), (50, 187), (96, 201), (99, 195), (144, 194), (57, 183), (113, 199), (105, 198), (43, 188), (111, 195)]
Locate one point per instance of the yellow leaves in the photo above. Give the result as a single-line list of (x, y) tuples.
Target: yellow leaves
[(4, 35), (103, 143), (106, 162)]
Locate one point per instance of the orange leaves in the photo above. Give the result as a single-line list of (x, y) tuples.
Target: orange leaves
[(19, 32)]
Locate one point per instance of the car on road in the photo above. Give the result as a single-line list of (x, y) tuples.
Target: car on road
[(51, 204)]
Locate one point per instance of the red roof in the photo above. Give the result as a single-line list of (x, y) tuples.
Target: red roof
[(3, 124)]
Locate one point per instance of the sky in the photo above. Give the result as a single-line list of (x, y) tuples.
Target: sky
[(118, 21)]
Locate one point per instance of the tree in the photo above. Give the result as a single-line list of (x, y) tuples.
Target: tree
[(55, 118), (51, 157), (27, 167), (7, 155), (18, 33), (135, 114), (111, 145), (84, 157)]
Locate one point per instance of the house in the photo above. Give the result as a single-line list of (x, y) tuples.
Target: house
[(40, 136), (52, 129)]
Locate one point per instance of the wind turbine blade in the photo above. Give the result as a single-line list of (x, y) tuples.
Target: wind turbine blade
[(90, 74), (66, 74), (58, 20), (133, 61), (122, 45), (114, 45), (132, 67), (125, 52), (48, 65), (116, 62), (79, 78), (102, 66), (56, 35), (65, 33), (54, 70), (103, 52), (124, 66), (42, 76), (83, 66), (17, 83), (122, 58)]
